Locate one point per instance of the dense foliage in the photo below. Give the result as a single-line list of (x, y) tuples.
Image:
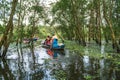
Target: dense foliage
[(80, 20)]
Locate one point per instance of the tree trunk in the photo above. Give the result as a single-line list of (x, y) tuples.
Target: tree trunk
[(20, 30), (98, 23), (91, 25), (77, 25), (7, 36), (114, 42)]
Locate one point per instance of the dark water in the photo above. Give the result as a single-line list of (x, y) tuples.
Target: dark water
[(63, 65)]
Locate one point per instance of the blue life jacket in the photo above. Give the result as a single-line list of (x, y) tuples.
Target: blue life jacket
[(55, 43)]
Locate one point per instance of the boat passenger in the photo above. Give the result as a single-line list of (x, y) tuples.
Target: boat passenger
[(47, 41), (55, 42)]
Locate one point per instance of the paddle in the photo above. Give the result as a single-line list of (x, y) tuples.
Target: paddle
[(59, 35)]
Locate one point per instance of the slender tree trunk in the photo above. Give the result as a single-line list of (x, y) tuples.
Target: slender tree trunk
[(97, 25), (99, 22), (119, 41), (91, 25), (106, 37), (114, 42), (18, 40), (7, 36), (4, 14), (31, 37), (77, 24), (20, 29)]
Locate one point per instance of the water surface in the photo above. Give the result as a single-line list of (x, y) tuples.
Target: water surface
[(63, 65)]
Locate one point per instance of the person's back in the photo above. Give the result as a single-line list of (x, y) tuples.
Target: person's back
[(55, 43)]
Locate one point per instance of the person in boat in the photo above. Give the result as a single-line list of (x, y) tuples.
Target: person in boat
[(54, 42), (35, 38), (26, 40), (48, 41)]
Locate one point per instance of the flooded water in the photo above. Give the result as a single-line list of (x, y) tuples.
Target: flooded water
[(61, 65)]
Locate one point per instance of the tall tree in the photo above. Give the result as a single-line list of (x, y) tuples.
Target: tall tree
[(107, 12), (70, 14), (6, 38)]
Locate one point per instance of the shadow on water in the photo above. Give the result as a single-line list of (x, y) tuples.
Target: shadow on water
[(5, 71), (61, 65)]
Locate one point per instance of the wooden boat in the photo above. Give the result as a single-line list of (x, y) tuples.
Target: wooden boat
[(48, 47), (27, 40)]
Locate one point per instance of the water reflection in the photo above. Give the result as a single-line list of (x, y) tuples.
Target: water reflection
[(5, 71), (61, 65), (55, 53)]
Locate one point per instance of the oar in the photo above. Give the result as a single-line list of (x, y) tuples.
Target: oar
[(59, 35)]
